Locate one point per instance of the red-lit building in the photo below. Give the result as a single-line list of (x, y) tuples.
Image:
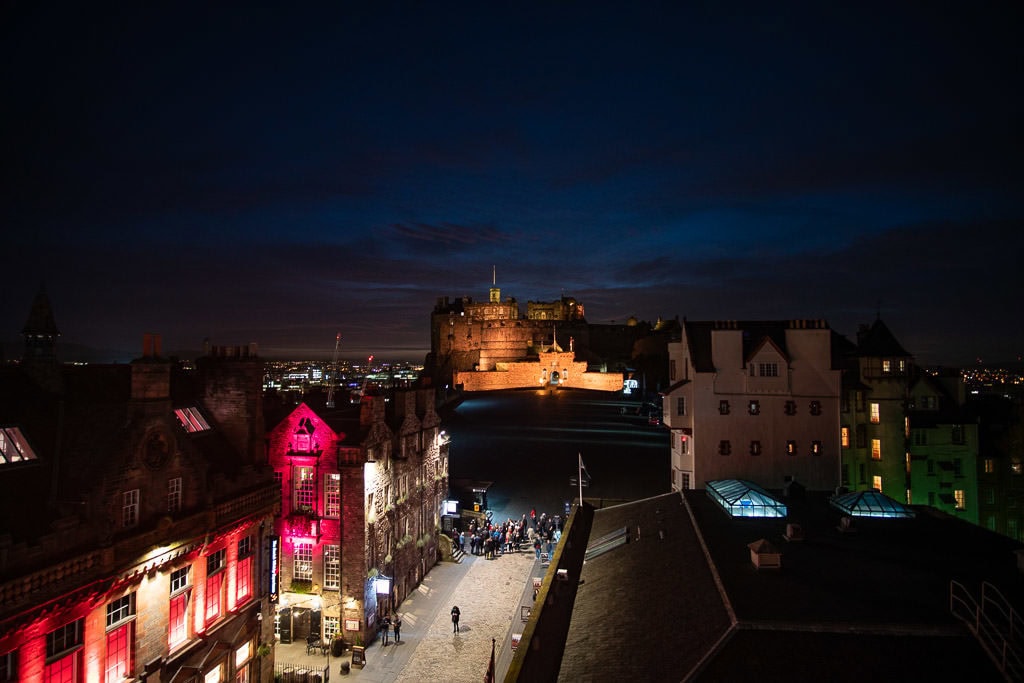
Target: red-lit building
[(361, 492), (136, 508)]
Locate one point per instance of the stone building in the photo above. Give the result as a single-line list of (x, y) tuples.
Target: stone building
[(755, 400), (136, 507), (361, 490)]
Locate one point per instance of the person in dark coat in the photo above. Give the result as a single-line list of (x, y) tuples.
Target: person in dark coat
[(455, 619), (396, 624), (385, 626)]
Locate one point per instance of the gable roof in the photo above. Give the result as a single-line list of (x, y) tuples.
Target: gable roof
[(877, 341)]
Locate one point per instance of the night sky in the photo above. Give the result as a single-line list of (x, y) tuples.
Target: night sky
[(278, 176)]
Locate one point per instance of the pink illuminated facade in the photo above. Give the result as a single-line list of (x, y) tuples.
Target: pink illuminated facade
[(134, 545), (361, 491)]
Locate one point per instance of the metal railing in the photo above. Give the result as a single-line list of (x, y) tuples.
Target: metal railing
[(995, 624), (295, 673)]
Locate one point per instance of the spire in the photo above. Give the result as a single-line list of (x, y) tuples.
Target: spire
[(495, 291), (40, 330)]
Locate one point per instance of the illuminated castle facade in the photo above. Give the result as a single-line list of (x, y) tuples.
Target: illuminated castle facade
[(136, 508), (362, 488)]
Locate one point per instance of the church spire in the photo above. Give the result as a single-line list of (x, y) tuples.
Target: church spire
[(40, 330), (495, 292)]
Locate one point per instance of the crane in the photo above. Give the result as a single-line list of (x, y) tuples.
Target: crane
[(334, 369), (358, 394)]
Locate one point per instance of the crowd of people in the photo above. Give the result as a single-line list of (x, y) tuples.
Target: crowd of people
[(491, 540)]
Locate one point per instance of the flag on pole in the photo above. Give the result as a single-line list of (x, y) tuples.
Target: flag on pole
[(489, 678)]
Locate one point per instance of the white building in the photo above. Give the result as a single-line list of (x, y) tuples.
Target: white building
[(754, 400)]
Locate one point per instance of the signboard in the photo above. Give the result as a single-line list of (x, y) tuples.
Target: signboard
[(524, 612), (351, 624), (537, 581), (358, 656), (275, 553), (629, 386), (516, 637)]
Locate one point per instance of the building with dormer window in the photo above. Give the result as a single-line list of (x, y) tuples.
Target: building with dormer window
[(135, 512), (754, 400)]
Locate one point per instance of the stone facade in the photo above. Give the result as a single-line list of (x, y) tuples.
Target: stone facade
[(555, 368), (145, 553), (361, 501)]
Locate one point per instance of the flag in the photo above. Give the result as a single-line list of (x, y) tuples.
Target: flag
[(489, 678)]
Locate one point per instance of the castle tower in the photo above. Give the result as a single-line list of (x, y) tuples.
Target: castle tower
[(495, 290), (40, 331)]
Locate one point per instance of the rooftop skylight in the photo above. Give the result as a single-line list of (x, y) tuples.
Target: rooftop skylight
[(870, 504), (14, 447), (191, 419), (745, 499)]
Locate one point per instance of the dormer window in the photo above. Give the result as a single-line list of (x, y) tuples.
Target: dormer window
[(303, 441), (768, 369)]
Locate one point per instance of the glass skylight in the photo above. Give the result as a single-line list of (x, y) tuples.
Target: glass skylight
[(745, 499), (191, 419), (870, 504), (14, 447)]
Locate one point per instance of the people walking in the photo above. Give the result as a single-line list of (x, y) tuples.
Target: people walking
[(396, 624), (385, 626), (455, 619)]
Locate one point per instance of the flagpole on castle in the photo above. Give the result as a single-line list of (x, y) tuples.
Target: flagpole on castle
[(579, 476)]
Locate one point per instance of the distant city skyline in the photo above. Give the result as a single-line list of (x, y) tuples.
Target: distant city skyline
[(278, 176)]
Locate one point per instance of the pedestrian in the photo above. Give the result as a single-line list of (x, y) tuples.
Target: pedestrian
[(385, 626), (536, 546), (396, 624), (455, 619)]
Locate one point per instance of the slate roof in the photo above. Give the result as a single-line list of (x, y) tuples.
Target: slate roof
[(755, 334), (877, 341)]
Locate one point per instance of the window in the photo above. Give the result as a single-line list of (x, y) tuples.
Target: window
[(989, 465), (332, 495), (844, 476), (919, 437), (958, 467), (305, 489), (14, 447), (332, 567), (243, 571), (875, 413), (755, 448), (130, 508), (683, 442), (303, 570), (990, 498), (64, 653), (120, 662), (927, 403), (790, 408), (790, 447), (768, 369), (214, 585), (931, 467), (958, 496), (858, 397), (958, 434), (815, 408), (680, 405), (723, 407), (876, 449), (9, 666), (174, 494), (1016, 467), (181, 595), (672, 370), (303, 437), (191, 420), (844, 436), (1011, 528), (242, 656), (332, 627), (816, 448), (876, 483), (686, 480), (862, 435), (724, 448), (215, 675), (886, 366), (754, 408)]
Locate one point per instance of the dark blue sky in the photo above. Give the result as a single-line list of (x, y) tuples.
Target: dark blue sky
[(278, 176)]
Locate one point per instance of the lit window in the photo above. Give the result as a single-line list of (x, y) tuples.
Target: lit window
[(754, 408), (876, 449), (791, 448), (958, 496), (243, 571), (305, 489), (14, 447), (816, 448), (723, 407), (332, 627), (990, 466), (214, 585), (886, 367), (214, 675), (680, 405), (875, 413), (1016, 467), (303, 562), (755, 448), (768, 369), (64, 653), (332, 495), (174, 494), (844, 436), (682, 443), (332, 567), (120, 639), (181, 593), (130, 508), (876, 483), (192, 420)]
